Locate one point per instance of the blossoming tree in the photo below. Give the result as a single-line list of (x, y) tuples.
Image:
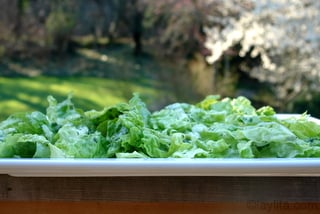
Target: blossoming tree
[(284, 35)]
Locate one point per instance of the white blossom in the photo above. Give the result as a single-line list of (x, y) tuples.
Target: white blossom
[(284, 34)]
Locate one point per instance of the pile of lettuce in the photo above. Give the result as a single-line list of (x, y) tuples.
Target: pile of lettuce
[(213, 128)]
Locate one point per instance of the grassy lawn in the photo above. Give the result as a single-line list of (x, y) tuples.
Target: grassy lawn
[(96, 78), (30, 94)]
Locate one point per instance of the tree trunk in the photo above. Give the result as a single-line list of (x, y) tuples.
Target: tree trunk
[(137, 30)]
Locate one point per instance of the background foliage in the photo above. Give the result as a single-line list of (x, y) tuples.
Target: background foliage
[(172, 50)]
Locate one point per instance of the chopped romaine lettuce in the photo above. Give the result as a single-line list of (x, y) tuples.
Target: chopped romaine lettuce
[(213, 128)]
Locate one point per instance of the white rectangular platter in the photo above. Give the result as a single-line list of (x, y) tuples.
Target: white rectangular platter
[(160, 167)]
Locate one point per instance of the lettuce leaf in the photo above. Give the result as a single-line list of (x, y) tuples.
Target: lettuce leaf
[(213, 128), (78, 142)]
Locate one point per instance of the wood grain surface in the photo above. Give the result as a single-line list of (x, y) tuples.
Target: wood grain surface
[(161, 189), (156, 208)]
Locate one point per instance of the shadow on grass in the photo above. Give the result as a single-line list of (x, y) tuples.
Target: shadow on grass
[(32, 98), (30, 94), (98, 77), (116, 63)]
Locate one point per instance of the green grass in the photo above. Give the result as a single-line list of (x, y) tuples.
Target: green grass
[(30, 94), (97, 77)]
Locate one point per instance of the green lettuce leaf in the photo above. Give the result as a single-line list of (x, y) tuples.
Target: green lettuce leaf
[(24, 146), (78, 142), (213, 128)]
